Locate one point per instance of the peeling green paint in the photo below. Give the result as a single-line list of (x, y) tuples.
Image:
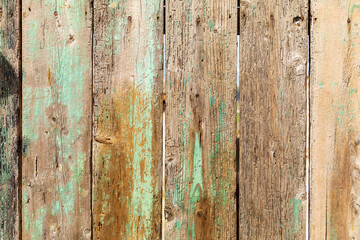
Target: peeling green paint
[(55, 93), (196, 189), (139, 197), (211, 24)]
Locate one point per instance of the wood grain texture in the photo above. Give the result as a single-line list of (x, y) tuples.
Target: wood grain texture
[(335, 120), (272, 177), (56, 119), (9, 118), (200, 119), (127, 146)]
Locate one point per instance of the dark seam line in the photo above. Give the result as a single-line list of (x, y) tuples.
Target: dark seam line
[(92, 117), (20, 146), (308, 123)]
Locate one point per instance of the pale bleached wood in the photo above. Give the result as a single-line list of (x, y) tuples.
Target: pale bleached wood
[(9, 118), (127, 149), (335, 114), (200, 119), (272, 177), (56, 119)]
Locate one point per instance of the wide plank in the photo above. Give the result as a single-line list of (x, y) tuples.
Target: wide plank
[(335, 120), (56, 123), (272, 144), (127, 146), (200, 142)]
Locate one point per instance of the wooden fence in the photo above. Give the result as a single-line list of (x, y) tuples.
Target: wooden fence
[(95, 143)]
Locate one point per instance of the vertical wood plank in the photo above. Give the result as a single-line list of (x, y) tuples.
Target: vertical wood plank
[(200, 119), (273, 42), (128, 119), (56, 119), (9, 118), (335, 120)]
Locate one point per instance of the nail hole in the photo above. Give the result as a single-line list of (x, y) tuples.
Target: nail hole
[(297, 20)]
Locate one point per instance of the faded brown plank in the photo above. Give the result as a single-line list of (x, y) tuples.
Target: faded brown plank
[(56, 119), (335, 112), (272, 177), (127, 119), (200, 119), (9, 118)]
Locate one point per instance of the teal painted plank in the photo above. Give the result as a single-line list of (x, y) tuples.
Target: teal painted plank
[(9, 119), (127, 119), (56, 122)]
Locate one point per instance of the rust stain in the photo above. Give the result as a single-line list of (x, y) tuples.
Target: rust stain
[(142, 167), (114, 167), (113, 180), (49, 76)]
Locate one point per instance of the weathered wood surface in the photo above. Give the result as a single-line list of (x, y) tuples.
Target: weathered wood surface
[(272, 176), (9, 118), (200, 119), (56, 119), (127, 145), (335, 120)]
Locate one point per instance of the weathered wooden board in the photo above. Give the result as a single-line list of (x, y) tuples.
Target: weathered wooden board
[(200, 119), (272, 176), (9, 118), (335, 120), (127, 145), (56, 122)]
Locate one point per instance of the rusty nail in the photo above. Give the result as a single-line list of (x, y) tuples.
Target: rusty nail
[(348, 20), (129, 18), (55, 13)]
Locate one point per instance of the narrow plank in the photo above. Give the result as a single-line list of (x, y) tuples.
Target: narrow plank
[(200, 119), (56, 120), (272, 176), (9, 119), (127, 145), (335, 112)]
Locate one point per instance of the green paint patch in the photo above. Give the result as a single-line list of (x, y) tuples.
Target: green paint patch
[(33, 223), (211, 25), (353, 90), (297, 207), (331, 226), (196, 190), (292, 226)]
